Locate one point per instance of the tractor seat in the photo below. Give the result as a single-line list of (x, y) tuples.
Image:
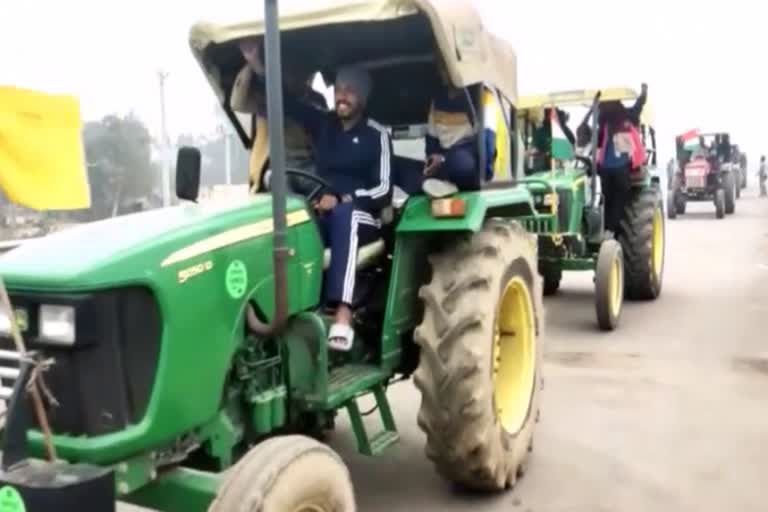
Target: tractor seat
[(366, 255)]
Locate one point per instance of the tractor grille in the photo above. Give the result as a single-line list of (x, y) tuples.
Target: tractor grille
[(103, 381), (539, 225), (696, 181), (696, 175)]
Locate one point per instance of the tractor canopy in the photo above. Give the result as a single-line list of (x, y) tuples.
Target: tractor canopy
[(412, 49), (585, 98), (392, 38)]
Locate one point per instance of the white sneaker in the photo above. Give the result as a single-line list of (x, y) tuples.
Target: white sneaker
[(437, 189)]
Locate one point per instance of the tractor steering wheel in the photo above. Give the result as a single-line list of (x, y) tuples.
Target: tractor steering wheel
[(322, 186)]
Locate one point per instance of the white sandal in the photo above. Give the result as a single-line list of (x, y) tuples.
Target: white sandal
[(340, 337)]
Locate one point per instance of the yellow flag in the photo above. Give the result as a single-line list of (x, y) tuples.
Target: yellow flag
[(42, 156)]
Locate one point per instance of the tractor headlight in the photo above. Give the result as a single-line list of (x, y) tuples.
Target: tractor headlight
[(550, 199), (57, 324)]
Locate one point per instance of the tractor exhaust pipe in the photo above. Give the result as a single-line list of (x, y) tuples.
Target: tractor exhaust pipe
[(278, 182)]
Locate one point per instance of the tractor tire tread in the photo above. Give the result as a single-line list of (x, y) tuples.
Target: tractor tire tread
[(464, 439)]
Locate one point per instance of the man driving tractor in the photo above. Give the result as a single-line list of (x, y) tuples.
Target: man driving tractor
[(354, 155)]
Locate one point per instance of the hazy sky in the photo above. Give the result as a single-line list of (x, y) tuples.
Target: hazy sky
[(704, 62)]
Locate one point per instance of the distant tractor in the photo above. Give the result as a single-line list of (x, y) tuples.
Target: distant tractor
[(629, 266), (705, 173)]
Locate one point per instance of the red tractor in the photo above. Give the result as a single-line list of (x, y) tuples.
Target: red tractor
[(705, 173)]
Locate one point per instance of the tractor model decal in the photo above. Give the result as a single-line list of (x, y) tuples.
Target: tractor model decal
[(231, 237)]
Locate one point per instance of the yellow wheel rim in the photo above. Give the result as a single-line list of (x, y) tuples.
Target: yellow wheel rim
[(657, 249), (514, 356), (616, 286)]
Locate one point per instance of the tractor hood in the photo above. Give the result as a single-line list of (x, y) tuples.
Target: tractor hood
[(130, 248)]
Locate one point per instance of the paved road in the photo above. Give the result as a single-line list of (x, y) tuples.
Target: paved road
[(667, 413)]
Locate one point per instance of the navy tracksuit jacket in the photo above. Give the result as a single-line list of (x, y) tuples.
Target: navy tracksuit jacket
[(357, 162)]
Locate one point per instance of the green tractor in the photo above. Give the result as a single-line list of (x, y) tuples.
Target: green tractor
[(628, 266), (181, 342)]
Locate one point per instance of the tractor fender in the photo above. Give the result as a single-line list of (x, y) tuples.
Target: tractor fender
[(515, 201)]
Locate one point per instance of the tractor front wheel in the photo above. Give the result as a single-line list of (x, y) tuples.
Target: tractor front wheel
[(481, 358), (609, 285), (287, 474), (642, 239)]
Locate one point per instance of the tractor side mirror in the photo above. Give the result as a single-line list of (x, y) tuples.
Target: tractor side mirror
[(188, 163)]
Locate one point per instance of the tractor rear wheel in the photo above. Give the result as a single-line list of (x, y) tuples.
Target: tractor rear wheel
[(719, 203), (287, 474), (481, 359), (642, 239), (730, 193)]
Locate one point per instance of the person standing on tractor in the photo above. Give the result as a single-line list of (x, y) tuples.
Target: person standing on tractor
[(762, 173), (620, 149), (452, 157)]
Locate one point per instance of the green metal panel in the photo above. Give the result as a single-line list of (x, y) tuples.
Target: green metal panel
[(417, 217), (202, 314), (577, 264), (410, 269), (178, 490)]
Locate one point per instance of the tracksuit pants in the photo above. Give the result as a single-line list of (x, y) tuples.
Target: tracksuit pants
[(344, 230)]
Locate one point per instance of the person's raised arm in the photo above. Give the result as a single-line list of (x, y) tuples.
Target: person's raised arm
[(635, 110), (378, 191), (303, 112), (562, 118)]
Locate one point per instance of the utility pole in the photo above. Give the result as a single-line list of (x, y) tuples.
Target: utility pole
[(165, 142)]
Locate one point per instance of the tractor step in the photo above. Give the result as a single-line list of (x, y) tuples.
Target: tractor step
[(346, 382), (379, 442)]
